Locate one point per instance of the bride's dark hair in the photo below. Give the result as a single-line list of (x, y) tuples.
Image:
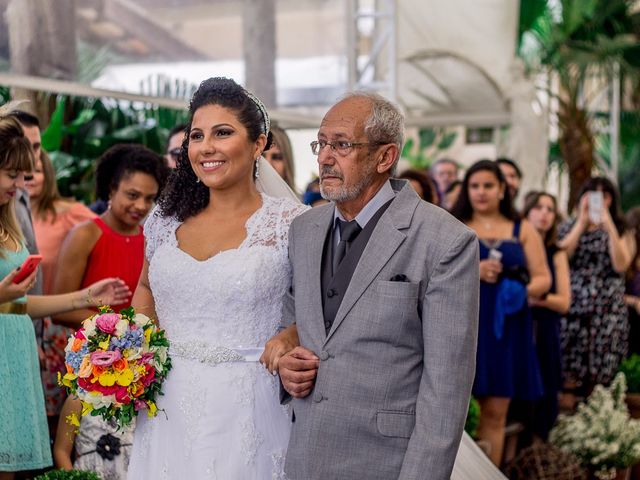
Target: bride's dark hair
[(184, 196)]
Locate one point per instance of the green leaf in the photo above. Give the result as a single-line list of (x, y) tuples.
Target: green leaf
[(427, 137), (447, 140), (52, 136), (406, 150)]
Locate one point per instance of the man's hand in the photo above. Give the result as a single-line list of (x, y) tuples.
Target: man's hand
[(298, 370)]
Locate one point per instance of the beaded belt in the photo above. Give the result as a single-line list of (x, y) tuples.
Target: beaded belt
[(213, 354), (13, 307)]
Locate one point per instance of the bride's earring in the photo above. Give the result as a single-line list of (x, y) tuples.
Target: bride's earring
[(257, 168), (197, 179)]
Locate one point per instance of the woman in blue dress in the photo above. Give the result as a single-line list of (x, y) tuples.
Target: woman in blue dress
[(541, 209), (24, 438), (512, 267)]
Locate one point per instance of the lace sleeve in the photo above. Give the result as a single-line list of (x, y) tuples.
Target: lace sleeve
[(157, 230), (289, 209)]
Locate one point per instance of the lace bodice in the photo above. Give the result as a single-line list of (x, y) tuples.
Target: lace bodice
[(233, 299)]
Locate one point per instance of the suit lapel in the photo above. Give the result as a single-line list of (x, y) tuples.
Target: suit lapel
[(385, 240), (314, 240)]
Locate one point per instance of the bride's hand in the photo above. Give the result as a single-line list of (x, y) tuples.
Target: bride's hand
[(277, 346)]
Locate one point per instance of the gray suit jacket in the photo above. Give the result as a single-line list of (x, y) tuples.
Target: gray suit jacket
[(397, 366)]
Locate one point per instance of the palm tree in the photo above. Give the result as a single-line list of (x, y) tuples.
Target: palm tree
[(581, 43)]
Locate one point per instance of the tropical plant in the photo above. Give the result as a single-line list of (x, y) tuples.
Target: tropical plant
[(582, 44), (431, 143), (473, 418)]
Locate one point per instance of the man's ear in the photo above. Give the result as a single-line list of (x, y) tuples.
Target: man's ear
[(387, 158)]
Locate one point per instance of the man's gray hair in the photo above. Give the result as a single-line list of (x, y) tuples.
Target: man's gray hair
[(385, 124)]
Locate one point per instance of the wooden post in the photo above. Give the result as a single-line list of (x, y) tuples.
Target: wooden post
[(259, 37)]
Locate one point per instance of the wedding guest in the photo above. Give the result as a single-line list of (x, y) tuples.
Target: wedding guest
[(24, 435), (512, 267), (312, 195), (422, 184), (632, 293), (280, 156), (444, 172), (541, 209), (53, 218), (129, 177), (451, 195), (96, 445), (595, 332), (512, 175), (174, 145)]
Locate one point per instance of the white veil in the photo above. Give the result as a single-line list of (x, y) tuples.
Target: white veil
[(271, 183)]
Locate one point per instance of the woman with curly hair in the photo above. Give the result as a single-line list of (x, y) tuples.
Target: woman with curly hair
[(129, 177), (215, 275)]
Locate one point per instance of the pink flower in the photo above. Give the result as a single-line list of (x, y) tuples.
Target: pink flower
[(139, 405), (107, 322), (104, 359), (122, 395), (80, 334), (147, 357)]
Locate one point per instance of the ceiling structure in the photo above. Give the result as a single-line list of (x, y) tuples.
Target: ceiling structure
[(453, 58)]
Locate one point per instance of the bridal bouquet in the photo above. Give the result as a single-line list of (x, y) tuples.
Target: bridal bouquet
[(116, 364)]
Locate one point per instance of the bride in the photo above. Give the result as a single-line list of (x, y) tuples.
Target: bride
[(215, 273), (214, 276)]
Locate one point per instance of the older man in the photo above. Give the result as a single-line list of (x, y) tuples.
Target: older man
[(385, 299)]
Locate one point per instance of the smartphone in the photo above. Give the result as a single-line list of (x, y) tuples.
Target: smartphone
[(495, 254), (29, 265), (596, 203)]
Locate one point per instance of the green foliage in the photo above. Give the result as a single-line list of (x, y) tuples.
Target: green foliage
[(81, 129), (629, 158), (68, 475), (631, 369), (473, 418), (432, 142)]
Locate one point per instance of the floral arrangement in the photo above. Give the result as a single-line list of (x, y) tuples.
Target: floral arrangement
[(115, 365), (601, 433)]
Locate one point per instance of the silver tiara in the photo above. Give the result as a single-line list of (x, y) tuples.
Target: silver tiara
[(263, 110)]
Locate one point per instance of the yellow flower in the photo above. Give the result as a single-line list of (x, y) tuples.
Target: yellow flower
[(147, 335), (105, 345), (124, 378), (68, 379), (153, 409), (86, 408), (73, 420), (107, 379)]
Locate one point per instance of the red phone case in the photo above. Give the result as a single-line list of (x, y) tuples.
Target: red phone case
[(29, 265)]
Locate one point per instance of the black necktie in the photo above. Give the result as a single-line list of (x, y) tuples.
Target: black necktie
[(348, 232)]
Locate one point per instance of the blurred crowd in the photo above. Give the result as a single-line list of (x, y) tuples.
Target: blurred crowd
[(560, 297)]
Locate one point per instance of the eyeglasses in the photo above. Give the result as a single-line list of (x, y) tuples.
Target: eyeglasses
[(342, 147), (176, 152)]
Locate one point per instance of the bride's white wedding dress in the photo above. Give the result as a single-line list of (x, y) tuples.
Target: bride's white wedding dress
[(222, 417)]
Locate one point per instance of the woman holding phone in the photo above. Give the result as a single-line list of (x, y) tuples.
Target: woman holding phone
[(24, 443), (595, 332)]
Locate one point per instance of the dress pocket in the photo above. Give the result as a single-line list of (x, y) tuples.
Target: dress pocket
[(398, 289), (395, 424)]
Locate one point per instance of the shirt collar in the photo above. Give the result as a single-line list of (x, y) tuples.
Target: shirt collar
[(385, 194)]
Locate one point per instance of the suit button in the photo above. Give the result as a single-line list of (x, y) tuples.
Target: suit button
[(317, 397), (327, 325), (331, 293), (324, 355)]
